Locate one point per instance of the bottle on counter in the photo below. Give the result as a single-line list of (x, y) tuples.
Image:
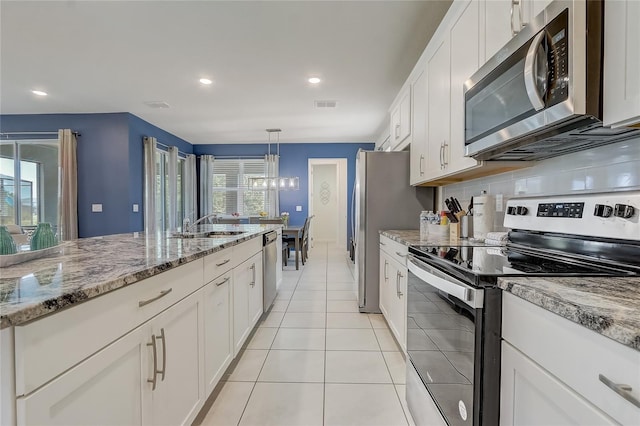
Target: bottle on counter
[(444, 220), (425, 216)]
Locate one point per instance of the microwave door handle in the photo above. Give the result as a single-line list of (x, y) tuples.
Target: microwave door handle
[(531, 73)]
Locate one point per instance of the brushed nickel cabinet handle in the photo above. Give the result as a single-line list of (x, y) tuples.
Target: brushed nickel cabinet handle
[(164, 353), (400, 254), (513, 30), (162, 294), (155, 362), (223, 262), (398, 284), (621, 389), (421, 162), (226, 280), (444, 154), (397, 131), (382, 243), (253, 282), (386, 277)]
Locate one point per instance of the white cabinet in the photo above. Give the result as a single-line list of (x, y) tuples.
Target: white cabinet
[(178, 357), (531, 395), (218, 349), (105, 389), (439, 104), (247, 299), (400, 125), (621, 63), (393, 287), (420, 138)]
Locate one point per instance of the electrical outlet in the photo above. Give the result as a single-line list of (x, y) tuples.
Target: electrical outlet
[(499, 203), (96, 208), (298, 208), (136, 208)]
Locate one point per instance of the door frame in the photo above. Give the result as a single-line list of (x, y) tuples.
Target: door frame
[(341, 180)]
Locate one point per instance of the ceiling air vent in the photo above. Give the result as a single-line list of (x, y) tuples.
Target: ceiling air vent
[(157, 104), (325, 104)]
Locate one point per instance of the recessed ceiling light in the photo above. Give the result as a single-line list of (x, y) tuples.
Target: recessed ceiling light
[(39, 92), (205, 81), (314, 80)]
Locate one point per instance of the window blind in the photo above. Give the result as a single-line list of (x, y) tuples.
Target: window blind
[(231, 192)]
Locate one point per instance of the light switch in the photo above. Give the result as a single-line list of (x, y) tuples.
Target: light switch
[(136, 208), (298, 208), (96, 208)]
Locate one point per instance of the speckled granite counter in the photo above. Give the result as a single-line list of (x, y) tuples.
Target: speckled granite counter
[(609, 306), (411, 237), (90, 267)]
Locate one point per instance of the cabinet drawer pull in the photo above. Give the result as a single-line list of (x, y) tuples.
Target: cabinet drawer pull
[(155, 362), (162, 294), (621, 389), (226, 280), (382, 243), (223, 262), (401, 255), (164, 353)]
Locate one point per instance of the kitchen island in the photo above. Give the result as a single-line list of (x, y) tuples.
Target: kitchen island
[(147, 323)]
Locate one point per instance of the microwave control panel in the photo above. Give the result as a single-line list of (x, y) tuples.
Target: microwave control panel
[(558, 57), (560, 210)]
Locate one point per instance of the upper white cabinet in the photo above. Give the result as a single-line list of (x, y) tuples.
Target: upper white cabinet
[(400, 125), (439, 87), (420, 140), (621, 63)]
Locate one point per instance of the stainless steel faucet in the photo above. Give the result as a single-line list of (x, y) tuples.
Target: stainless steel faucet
[(190, 227)]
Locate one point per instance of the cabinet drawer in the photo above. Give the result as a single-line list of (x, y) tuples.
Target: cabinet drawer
[(397, 251), (217, 264), (47, 347), (575, 355), (245, 250)]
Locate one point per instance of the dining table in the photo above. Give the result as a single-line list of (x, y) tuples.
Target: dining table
[(294, 231)]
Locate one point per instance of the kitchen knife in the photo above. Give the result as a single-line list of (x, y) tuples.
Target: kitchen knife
[(454, 208), (448, 204), (457, 203)]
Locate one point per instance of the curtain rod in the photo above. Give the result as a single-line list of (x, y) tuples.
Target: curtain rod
[(234, 157), (169, 146), (35, 133)]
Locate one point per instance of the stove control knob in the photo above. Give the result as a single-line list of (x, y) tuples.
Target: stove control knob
[(521, 210), (623, 210), (511, 210), (602, 210)]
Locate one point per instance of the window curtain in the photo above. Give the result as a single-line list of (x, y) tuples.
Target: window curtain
[(172, 195), (68, 185), (190, 185), (206, 185), (273, 198), (150, 184)]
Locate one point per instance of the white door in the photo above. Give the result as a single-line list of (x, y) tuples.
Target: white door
[(242, 277), (328, 200)]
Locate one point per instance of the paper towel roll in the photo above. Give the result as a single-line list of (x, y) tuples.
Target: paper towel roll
[(484, 213)]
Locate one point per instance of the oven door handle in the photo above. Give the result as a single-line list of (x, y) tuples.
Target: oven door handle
[(473, 297), (531, 73)]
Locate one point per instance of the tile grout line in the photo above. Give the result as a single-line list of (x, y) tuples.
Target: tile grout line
[(326, 323)]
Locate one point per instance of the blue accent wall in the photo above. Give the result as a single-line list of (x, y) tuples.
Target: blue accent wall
[(110, 164), (294, 162)]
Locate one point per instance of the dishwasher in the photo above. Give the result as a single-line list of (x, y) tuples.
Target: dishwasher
[(270, 263)]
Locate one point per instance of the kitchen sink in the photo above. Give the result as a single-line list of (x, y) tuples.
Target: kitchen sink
[(222, 234)]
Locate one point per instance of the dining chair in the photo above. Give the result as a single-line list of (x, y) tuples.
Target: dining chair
[(304, 245), (292, 241), (229, 221)]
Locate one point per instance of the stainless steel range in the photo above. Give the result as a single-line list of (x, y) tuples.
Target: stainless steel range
[(454, 305)]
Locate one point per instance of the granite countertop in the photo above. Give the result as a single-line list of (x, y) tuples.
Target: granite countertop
[(411, 237), (609, 306), (89, 267)]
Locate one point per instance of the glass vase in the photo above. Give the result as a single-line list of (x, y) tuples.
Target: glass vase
[(44, 237), (7, 245)]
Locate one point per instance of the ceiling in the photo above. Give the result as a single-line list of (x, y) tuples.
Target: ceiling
[(113, 56)]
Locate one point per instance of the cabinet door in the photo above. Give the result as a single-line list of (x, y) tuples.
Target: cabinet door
[(399, 303), (621, 63), (256, 289), (438, 116), (420, 138), (218, 344), (279, 259), (104, 389), (405, 115), (531, 395), (179, 391), (465, 60), (500, 22), (384, 284), (242, 277)]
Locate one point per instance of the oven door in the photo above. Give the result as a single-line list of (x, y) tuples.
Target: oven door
[(442, 341)]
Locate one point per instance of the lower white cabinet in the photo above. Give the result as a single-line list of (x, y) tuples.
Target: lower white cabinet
[(152, 375), (530, 395), (247, 299), (393, 288), (218, 344)]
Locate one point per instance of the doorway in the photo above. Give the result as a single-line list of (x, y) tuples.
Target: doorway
[(328, 200)]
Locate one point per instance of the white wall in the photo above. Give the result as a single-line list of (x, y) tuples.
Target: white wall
[(613, 167)]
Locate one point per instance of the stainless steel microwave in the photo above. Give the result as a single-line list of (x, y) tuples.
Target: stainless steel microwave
[(540, 96)]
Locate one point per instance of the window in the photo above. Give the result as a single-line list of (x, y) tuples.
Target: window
[(163, 200), (33, 163), (231, 192)]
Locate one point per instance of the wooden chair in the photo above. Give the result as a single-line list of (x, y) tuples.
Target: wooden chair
[(285, 253), (292, 241), (304, 244)]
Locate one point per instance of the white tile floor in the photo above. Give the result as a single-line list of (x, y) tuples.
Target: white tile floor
[(315, 360)]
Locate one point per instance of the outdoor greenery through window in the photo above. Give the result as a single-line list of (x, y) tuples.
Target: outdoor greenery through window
[(33, 163), (231, 192)]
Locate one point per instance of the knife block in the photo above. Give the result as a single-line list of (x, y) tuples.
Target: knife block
[(454, 231)]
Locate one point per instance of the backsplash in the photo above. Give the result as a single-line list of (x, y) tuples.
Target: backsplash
[(613, 167)]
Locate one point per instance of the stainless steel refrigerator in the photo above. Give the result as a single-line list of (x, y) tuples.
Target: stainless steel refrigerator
[(382, 200)]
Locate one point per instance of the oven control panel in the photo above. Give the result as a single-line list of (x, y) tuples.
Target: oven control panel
[(560, 210), (606, 215)]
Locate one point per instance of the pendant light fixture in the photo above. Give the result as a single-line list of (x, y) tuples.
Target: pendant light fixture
[(289, 183)]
